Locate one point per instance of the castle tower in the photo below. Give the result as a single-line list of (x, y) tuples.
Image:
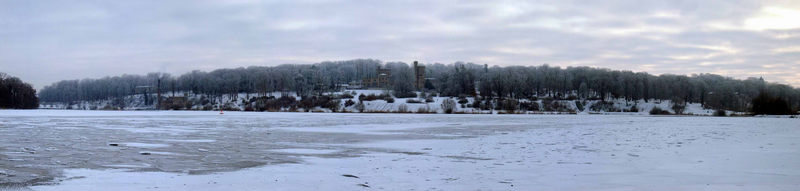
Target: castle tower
[(419, 76)]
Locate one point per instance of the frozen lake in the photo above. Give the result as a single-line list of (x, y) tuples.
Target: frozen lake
[(191, 150)]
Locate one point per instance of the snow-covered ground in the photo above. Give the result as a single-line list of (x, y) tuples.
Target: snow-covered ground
[(195, 150)]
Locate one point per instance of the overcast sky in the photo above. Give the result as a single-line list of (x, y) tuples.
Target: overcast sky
[(46, 41)]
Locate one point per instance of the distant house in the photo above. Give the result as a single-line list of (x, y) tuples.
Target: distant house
[(354, 85), (380, 81), (384, 74)]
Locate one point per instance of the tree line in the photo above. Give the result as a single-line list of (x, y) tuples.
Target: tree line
[(16, 94), (456, 79)]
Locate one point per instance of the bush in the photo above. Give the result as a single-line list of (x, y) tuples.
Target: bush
[(170, 103), (413, 101), (604, 106), (349, 103), (463, 100), (571, 97), (405, 94), (272, 104), (371, 97), (634, 108), (476, 104), (333, 105), (360, 107), (529, 106), (579, 105), (361, 97), (487, 105), (311, 102), (429, 99), (720, 113), (389, 99), (678, 105), (448, 105), (249, 108), (658, 111), (403, 108), (423, 110), (510, 105), (551, 105), (345, 96)]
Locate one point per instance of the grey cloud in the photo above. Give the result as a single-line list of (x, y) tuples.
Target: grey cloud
[(46, 41)]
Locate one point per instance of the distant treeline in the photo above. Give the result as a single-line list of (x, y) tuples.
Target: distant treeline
[(457, 79), (16, 94)]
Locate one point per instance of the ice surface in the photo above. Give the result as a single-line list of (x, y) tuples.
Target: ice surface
[(304, 151), (145, 145)]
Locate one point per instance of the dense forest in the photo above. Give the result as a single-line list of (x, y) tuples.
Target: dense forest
[(457, 79), (16, 94)]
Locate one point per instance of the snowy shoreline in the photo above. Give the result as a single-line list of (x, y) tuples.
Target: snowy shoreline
[(424, 104), (410, 113)]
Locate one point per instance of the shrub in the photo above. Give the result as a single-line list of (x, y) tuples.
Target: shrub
[(307, 102), (463, 100), (552, 105), (658, 111), (360, 107), (345, 96), (429, 99), (448, 105), (349, 103), (413, 101), (403, 108), (579, 105), (509, 105), (272, 104), (204, 101), (487, 105), (720, 113), (389, 99), (529, 106), (634, 108), (405, 94), (571, 97), (423, 110), (604, 106), (332, 104), (678, 105), (371, 97), (476, 104)]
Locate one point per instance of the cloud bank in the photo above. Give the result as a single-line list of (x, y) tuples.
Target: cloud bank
[(46, 41)]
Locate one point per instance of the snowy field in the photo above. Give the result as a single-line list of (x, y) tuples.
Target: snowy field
[(195, 150)]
